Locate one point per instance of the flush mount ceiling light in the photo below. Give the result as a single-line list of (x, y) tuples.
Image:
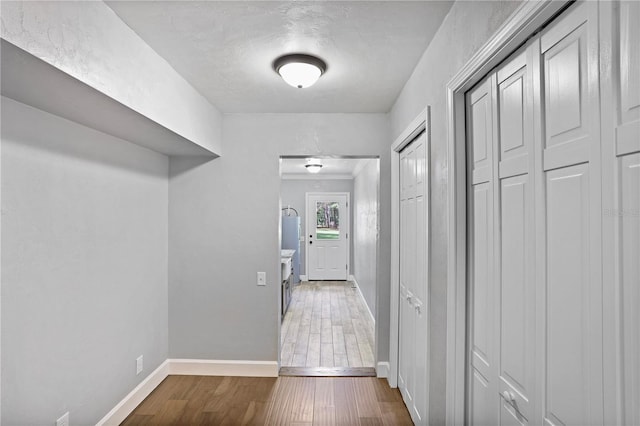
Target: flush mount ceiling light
[(313, 165), (299, 70)]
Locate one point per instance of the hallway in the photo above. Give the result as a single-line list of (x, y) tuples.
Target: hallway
[(327, 325), (152, 153)]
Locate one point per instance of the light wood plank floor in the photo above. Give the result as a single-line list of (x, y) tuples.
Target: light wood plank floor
[(327, 325), (211, 400)]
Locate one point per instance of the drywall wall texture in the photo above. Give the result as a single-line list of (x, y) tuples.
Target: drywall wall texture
[(84, 286), (365, 231), (292, 193), (88, 41), (467, 26), (223, 228)]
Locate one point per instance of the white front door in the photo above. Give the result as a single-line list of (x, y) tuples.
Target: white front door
[(327, 227)]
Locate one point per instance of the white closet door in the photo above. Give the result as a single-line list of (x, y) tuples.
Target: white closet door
[(502, 287), (621, 127), (483, 389), (514, 236), (413, 333), (407, 273), (420, 301), (572, 210), (630, 291), (554, 226), (628, 153)]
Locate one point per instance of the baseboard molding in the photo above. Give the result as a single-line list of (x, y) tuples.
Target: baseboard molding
[(303, 278), (382, 370), (206, 367), (136, 396), (353, 278), (186, 367)]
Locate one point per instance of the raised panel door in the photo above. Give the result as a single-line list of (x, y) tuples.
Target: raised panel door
[(421, 384), (515, 229), (413, 333), (629, 61), (620, 87), (420, 301), (629, 215), (628, 89), (482, 290), (570, 88), (517, 293), (570, 201), (510, 416), (628, 209), (404, 364), (406, 373), (535, 227), (482, 401), (480, 132), (483, 393), (567, 302)]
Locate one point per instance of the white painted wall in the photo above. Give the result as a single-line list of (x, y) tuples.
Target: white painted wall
[(84, 282), (365, 230), (88, 41), (467, 26), (223, 228), (292, 193)]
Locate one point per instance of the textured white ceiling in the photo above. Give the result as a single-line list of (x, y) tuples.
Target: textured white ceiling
[(225, 49)]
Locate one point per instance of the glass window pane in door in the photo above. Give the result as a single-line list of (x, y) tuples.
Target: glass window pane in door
[(327, 220)]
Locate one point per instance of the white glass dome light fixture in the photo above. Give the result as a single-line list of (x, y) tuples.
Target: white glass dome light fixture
[(313, 165), (300, 70)]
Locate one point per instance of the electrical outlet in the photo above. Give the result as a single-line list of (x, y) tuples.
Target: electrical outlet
[(262, 278), (139, 366), (64, 420)]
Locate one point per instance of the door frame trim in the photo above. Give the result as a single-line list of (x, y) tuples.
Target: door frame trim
[(348, 231), (417, 126), (524, 22)]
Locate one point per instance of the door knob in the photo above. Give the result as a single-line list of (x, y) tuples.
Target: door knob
[(509, 396), (310, 242)]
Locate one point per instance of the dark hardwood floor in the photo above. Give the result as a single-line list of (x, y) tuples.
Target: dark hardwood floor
[(213, 400)]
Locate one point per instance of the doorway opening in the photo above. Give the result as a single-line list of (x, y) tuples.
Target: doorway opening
[(329, 256)]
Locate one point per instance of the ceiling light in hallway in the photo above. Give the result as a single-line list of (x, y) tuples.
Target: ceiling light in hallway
[(299, 70), (313, 165)]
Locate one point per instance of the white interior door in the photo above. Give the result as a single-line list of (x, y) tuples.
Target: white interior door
[(514, 234), (535, 271), (413, 357), (327, 227), (569, 199), (483, 389), (623, 213)]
